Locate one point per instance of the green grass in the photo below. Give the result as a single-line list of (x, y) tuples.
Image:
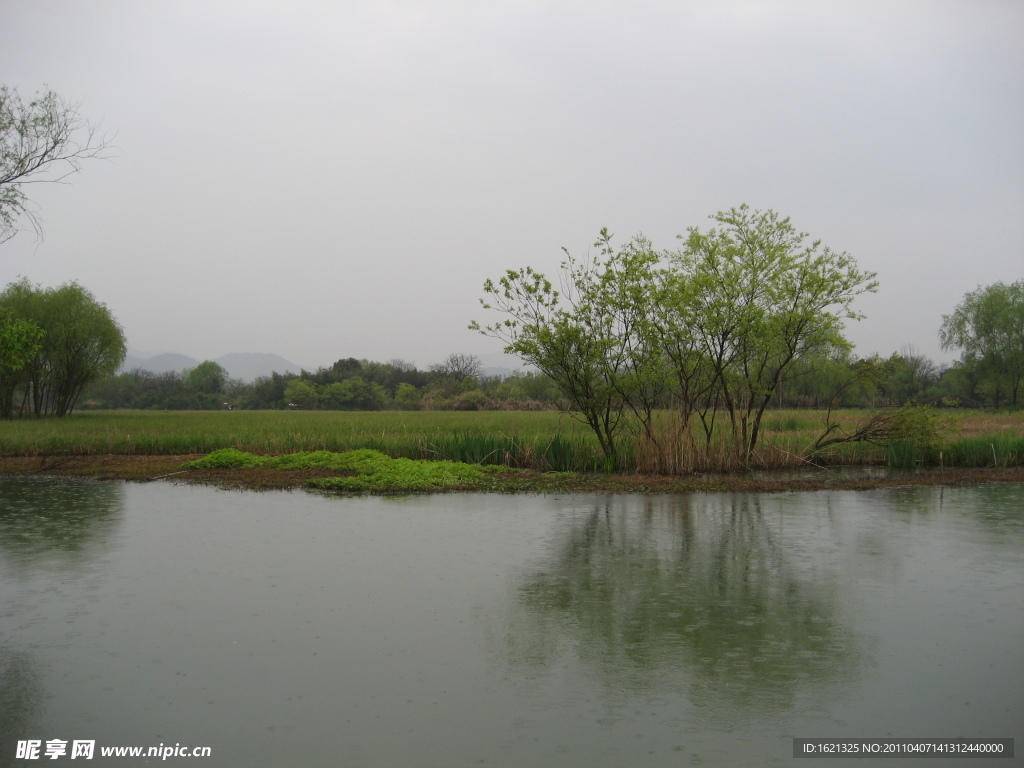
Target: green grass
[(411, 434), (542, 440), (1005, 450)]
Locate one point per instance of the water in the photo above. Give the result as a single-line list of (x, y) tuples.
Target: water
[(473, 630)]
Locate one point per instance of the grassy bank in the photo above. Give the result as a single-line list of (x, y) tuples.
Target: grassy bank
[(542, 441)]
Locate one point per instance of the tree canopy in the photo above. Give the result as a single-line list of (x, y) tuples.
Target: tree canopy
[(988, 326), (43, 140), (78, 341)]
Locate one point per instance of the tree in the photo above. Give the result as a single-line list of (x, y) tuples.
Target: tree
[(19, 344), (590, 338), (988, 326), (81, 342), (715, 326), (208, 378), (301, 393), (205, 384), (407, 397), (760, 297), (456, 373), (45, 140)]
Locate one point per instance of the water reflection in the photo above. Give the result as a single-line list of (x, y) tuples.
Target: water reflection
[(41, 518), (689, 591), (20, 697)]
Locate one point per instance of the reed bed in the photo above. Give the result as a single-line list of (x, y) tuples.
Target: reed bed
[(542, 440), (514, 438)]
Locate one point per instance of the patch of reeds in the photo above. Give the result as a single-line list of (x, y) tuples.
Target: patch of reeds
[(557, 453), (999, 451), (904, 454), (1006, 450)]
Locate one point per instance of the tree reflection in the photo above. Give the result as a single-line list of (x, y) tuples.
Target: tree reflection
[(693, 591), (43, 517)]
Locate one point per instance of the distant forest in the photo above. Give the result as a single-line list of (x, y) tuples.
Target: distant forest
[(459, 384)]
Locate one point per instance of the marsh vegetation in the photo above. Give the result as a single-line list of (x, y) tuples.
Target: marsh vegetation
[(541, 440)]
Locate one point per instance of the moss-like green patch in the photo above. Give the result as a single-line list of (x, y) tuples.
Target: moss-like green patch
[(363, 470), (227, 458)]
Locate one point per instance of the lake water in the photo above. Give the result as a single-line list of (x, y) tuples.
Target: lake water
[(288, 629)]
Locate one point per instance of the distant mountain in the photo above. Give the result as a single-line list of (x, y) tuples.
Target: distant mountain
[(239, 365), (251, 365)]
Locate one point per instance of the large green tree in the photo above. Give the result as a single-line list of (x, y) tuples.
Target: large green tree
[(714, 327), (43, 140), (988, 327), (757, 295), (81, 342), (592, 338)]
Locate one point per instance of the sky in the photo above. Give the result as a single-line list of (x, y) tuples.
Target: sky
[(324, 180)]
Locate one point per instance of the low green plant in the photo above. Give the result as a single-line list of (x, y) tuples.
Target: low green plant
[(227, 458), (403, 475), (371, 470)]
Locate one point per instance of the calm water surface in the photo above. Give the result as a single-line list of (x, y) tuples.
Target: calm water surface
[(285, 629)]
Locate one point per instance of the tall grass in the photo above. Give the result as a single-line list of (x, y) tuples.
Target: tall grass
[(541, 440), (1005, 450)]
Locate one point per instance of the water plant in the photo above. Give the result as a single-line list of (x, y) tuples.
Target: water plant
[(366, 470)]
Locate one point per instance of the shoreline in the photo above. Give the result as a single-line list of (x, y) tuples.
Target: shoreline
[(148, 468)]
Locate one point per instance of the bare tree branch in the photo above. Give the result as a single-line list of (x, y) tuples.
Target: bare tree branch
[(43, 141)]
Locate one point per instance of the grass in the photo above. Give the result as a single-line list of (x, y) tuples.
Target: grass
[(539, 440), (993, 451), (409, 434)]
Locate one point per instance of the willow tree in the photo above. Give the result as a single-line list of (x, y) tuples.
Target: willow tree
[(81, 342), (988, 326)]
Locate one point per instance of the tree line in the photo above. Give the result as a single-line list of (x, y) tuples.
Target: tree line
[(457, 383), (817, 382)]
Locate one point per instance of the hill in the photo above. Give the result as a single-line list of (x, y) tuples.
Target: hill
[(246, 366)]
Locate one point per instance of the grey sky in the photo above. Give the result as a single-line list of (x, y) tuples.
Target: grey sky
[(328, 179)]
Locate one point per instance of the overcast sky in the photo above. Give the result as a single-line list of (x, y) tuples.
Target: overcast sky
[(337, 179)]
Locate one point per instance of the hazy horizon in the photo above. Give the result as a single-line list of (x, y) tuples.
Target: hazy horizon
[(329, 180)]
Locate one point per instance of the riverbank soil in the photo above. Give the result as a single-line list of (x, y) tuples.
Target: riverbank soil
[(169, 468)]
